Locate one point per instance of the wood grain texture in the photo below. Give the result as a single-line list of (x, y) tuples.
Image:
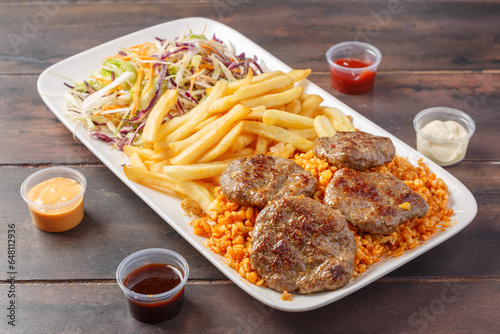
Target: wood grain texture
[(435, 53), (397, 98), (116, 224), (411, 36), (441, 307), (33, 135), (94, 249)]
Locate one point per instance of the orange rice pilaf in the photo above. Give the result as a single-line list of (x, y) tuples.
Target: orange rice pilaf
[(229, 234)]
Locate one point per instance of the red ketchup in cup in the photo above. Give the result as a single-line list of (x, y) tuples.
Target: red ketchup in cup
[(349, 82), (353, 66)]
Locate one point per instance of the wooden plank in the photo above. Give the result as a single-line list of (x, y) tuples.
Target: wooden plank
[(397, 98), (32, 134), (118, 223), (407, 307), (29, 131), (411, 36)]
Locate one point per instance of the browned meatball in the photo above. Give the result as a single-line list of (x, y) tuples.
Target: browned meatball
[(299, 244), (357, 150), (374, 202), (258, 179)]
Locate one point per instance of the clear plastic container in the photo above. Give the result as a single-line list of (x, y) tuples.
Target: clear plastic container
[(444, 152), (55, 217), (353, 66), (153, 308)]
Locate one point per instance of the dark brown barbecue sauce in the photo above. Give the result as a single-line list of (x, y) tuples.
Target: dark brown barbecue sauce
[(153, 279)]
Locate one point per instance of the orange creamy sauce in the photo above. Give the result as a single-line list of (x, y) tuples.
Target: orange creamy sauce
[(57, 190)]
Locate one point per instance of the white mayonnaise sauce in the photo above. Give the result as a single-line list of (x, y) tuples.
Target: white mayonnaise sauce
[(449, 145)]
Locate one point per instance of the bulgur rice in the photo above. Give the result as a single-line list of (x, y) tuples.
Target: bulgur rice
[(229, 234)]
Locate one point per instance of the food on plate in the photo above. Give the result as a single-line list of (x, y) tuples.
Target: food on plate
[(357, 150), (116, 99), (258, 179), (187, 189), (189, 152), (374, 202), (198, 154), (299, 244)]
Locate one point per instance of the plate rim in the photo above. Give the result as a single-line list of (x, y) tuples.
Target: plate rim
[(267, 296)]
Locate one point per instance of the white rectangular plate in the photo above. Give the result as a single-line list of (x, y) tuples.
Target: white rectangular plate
[(50, 87)]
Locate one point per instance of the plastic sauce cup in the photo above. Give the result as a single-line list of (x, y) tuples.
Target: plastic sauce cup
[(55, 217), (153, 308), (353, 66), (444, 152)]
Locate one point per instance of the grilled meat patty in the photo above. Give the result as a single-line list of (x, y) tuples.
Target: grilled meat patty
[(357, 150), (258, 179), (299, 244), (374, 202)]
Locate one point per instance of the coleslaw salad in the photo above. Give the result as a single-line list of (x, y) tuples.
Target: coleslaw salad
[(115, 99)]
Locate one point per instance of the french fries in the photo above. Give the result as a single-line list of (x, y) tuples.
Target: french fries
[(196, 171), (286, 119), (262, 114), (279, 134), (223, 145), (157, 114), (273, 100), (188, 189), (323, 127), (223, 125)]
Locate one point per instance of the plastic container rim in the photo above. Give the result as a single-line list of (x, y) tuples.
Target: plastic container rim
[(156, 297), (368, 48), (444, 111), (40, 176)]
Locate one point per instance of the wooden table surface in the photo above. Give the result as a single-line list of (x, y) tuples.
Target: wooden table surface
[(435, 54)]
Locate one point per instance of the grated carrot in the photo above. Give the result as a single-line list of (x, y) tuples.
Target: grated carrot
[(149, 78), (137, 88), (193, 79)]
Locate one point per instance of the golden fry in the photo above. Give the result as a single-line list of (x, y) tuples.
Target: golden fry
[(339, 120), (282, 149), (212, 137), (222, 105), (205, 123), (179, 146), (279, 134), (273, 100), (198, 114), (262, 88), (286, 119), (188, 189), (323, 127), (195, 172), (243, 141), (309, 134), (223, 145), (310, 105), (135, 161), (143, 153), (261, 145), (229, 155), (298, 75), (157, 114), (257, 113), (294, 107)]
